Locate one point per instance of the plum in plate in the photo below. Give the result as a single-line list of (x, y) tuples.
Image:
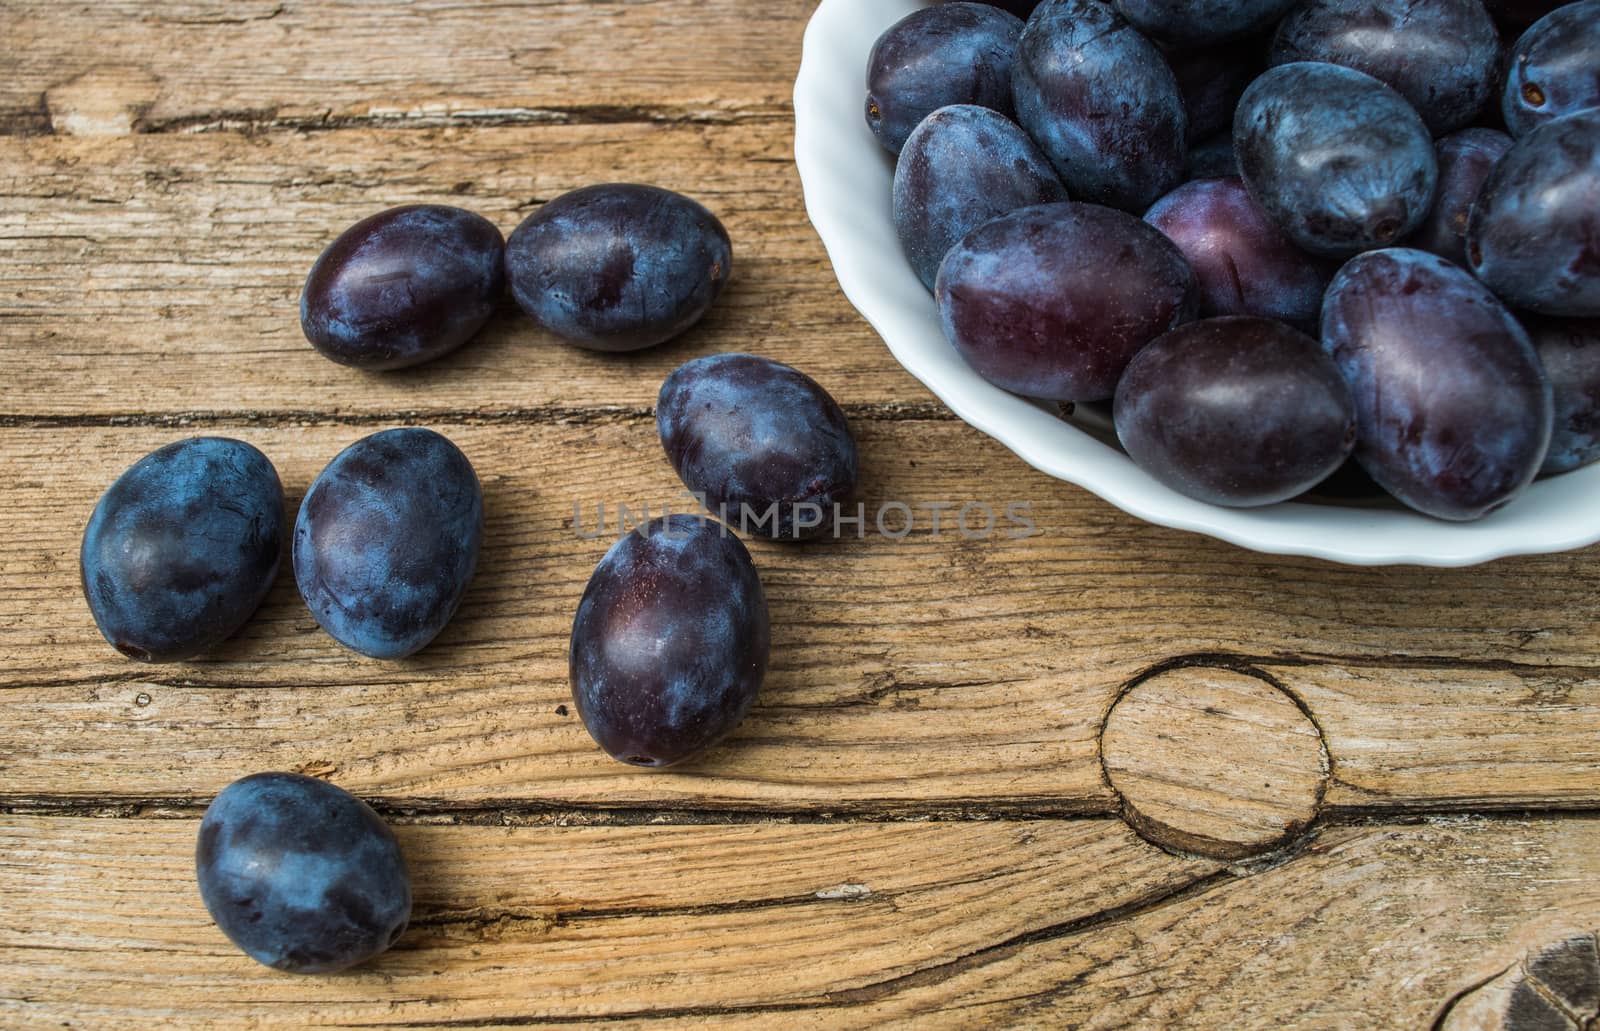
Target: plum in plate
[(1244, 263), (958, 53), (1453, 411), (1197, 22), (1101, 102), (961, 167), (1569, 350), (1341, 162), (1465, 160), (1053, 301), (1441, 55), (1534, 232), (670, 642), (1554, 68), (1235, 411)]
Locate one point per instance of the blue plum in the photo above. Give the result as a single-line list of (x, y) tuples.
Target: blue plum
[(301, 875), (1453, 412), (1534, 233), (619, 266), (1052, 301), (1465, 160), (1020, 8), (182, 548), (387, 541), (1441, 55), (958, 53), (1554, 68), (961, 167), (1235, 411), (1569, 350), (1101, 102), (753, 435), (670, 642), (1341, 162), (403, 287), (1244, 263), (1197, 22)]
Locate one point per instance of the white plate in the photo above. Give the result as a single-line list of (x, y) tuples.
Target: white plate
[(847, 179)]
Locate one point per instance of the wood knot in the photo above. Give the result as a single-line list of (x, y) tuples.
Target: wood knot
[(104, 101), (1214, 762), (1556, 987)]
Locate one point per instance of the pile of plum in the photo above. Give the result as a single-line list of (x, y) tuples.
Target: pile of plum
[(670, 640), (1273, 234)]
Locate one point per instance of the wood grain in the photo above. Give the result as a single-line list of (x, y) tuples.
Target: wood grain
[(158, 277), (1039, 923), (927, 675), (1213, 761), (261, 64)]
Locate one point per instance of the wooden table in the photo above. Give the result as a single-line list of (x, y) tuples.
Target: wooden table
[(1108, 775)]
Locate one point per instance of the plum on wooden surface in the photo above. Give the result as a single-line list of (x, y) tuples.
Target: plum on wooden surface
[(403, 287), (749, 433), (387, 541), (670, 642), (301, 875), (619, 266), (181, 549)]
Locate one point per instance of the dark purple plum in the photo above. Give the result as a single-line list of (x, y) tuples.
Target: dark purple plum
[(1235, 411), (618, 267), (1519, 14), (958, 53), (1341, 162), (387, 541), (1244, 263), (1102, 104), (751, 436), (1197, 22), (1053, 301), (1554, 69), (1465, 160), (1534, 233), (1453, 413), (182, 548), (670, 643), (1212, 159), (961, 167), (403, 287), (1212, 79), (1441, 55), (301, 875), (1569, 349)]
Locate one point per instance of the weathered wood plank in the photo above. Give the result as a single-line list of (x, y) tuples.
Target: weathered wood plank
[(149, 276), (926, 674), (271, 63), (992, 924)]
